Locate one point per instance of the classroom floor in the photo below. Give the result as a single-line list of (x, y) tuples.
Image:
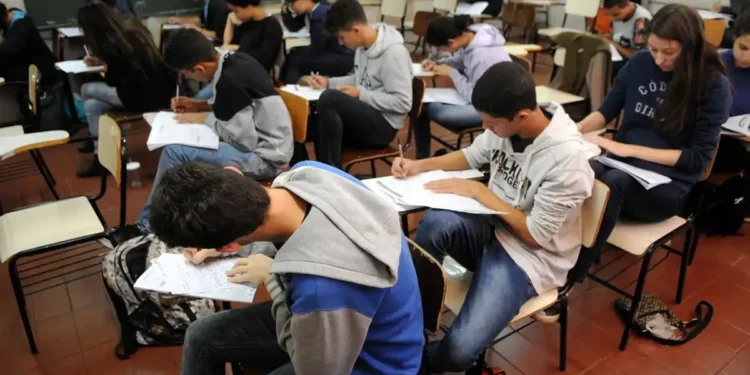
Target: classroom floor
[(76, 332)]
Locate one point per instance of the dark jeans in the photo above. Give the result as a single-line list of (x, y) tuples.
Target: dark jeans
[(302, 60), (246, 335), (344, 120), (498, 289)]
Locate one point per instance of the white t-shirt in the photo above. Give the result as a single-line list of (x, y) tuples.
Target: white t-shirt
[(624, 32)]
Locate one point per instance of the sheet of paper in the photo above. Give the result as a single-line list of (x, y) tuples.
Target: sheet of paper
[(443, 95), (308, 93), (738, 124), (70, 32), (296, 34), (709, 15), (475, 9), (169, 26), (591, 150), (166, 131), (416, 69), (173, 274), (647, 179), (77, 67), (616, 56)]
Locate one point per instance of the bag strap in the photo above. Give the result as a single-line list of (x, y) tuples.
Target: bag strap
[(186, 309), (698, 324)]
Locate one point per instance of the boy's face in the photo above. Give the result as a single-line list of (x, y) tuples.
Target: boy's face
[(243, 13), (352, 38), (200, 73), (502, 127), (302, 6), (617, 13)]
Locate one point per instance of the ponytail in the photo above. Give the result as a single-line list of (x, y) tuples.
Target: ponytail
[(444, 28)]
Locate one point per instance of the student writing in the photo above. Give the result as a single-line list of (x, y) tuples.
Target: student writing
[(629, 22)]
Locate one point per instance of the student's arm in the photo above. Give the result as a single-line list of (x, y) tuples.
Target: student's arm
[(292, 23), (229, 34), (612, 105), (17, 38), (396, 82), (625, 52), (639, 39), (239, 131), (455, 61), (268, 51), (336, 82), (463, 84)]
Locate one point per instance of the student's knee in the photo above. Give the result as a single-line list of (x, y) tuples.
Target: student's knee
[(617, 180), (176, 153), (461, 351), (436, 228), (329, 98), (197, 336), (87, 90)]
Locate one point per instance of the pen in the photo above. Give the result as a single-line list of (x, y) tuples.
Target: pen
[(400, 150), (87, 50)]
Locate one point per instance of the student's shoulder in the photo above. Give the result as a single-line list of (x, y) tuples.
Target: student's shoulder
[(311, 293), (642, 56), (320, 12), (330, 169), (273, 24)]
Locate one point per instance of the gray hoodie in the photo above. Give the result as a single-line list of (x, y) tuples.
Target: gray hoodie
[(383, 74), (485, 50), (548, 181), (344, 281)]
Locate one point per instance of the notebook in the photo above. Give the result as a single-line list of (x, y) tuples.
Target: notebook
[(739, 125), (166, 131), (77, 67)]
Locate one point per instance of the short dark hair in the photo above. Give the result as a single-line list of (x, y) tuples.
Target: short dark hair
[(609, 4), (343, 15), (206, 206), (503, 90), (244, 3), (186, 48), (441, 29), (742, 25)]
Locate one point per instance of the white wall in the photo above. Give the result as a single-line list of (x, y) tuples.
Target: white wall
[(14, 4)]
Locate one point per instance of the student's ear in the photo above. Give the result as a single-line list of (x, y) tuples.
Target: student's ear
[(231, 248)]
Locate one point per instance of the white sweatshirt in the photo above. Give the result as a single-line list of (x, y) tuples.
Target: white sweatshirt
[(548, 181)]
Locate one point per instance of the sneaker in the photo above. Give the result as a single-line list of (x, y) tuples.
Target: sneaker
[(86, 147), (549, 315), (93, 170)]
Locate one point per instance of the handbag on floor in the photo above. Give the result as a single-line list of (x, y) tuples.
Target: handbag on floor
[(658, 322)]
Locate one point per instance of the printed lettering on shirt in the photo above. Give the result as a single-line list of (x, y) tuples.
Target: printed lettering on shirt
[(508, 174), (366, 82), (646, 107)]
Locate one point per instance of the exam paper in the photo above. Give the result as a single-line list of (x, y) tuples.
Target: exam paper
[(647, 179), (296, 34), (70, 32), (308, 93), (443, 95), (416, 69), (616, 56), (166, 131), (738, 124), (475, 9), (77, 67)]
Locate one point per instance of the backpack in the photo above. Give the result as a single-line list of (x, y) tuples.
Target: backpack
[(146, 318), (724, 208), (656, 321)]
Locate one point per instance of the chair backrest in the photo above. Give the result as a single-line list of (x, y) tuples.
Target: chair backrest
[(519, 15), (521, 61), (433, 285), (34, 79), (445, 5), (417, 94), (393, 8), (714, 31), (422, 20), (110, 147), (572, 77), (592, 213), (583, 8), (299, 110), (598, 79), (155, 26)]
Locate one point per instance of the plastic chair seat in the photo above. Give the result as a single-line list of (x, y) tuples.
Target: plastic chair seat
[(47, 224), (553, 31), (636, 237)]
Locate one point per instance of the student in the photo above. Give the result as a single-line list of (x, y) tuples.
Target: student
[(629, 22), (735, 9), (21, 45), (251, 30), (136, 78), (123, 8), (539, 176), (247, 112), (324, 55), (674, 98), (211, 22), (368, 107), (345, 293), (479, 47)]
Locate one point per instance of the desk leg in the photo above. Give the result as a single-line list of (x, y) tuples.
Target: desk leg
[(71, 100)]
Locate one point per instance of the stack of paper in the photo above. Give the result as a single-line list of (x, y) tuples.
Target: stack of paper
[(70, 32), (169, 26), (474, 10), (166, 131), (646, 178), (410, 191), (740, 125), (173, 274), (77, 67), (302, 34), (418, 72), (709, 15), (443, 95), (308, 93)]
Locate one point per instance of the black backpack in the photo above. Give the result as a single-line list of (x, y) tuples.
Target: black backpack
[(724, 208)]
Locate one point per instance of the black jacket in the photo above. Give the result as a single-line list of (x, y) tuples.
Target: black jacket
[(260, 39), (23, 46), (216, 17), (320, 41)]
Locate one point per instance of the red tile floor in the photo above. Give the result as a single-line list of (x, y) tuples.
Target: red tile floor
[(76, 332)]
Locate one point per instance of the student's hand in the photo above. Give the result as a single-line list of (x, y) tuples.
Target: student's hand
[(92, 61), (405, 167), (191, 118), (197, 256), (184, 104), (442, 70), (350, 90), (230, 47), (716, 7), (254, 269), (622, 150), (318, 82), (191, 26), (467, 188), (233, 18), (428, 65), (174, 20)]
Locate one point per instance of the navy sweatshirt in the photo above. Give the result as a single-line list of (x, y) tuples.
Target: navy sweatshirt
[(320, 41), (214, 17), (740, 78), (638, 90)]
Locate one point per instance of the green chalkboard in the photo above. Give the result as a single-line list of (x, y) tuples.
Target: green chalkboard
[(148, 8), (53, 13)]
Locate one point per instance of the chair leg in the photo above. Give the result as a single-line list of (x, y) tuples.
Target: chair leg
[(405, 224), (685, 256), (47, 177), (46, 168), (563, 333), (636, 298), (416, 45), (372, 168), (693, 242), (21, 302)]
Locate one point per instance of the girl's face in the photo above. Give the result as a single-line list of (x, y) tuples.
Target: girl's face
[(665, 52), (741, 51)]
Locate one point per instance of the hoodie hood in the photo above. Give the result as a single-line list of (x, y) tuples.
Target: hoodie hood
[(387, 37), (349, 234), (486, 36)]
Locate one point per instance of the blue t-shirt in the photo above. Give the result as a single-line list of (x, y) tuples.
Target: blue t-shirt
[(740, 78), (638, 90)]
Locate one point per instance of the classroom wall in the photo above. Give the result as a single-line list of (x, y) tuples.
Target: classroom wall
[(14, 4)]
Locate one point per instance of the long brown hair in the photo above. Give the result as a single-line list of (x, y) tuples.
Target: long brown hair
[(696, 69), (111, 37)]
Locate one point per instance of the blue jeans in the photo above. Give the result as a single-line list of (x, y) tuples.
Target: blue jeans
[(227, 155), (206, 93), (98, 97), (498, 289), (448, 115)]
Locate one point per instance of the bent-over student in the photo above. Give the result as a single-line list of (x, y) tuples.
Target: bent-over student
[(345, 293), (251, 30), (539, 178), (21, 45), (629, 22), (211, 22), (368, 107)]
